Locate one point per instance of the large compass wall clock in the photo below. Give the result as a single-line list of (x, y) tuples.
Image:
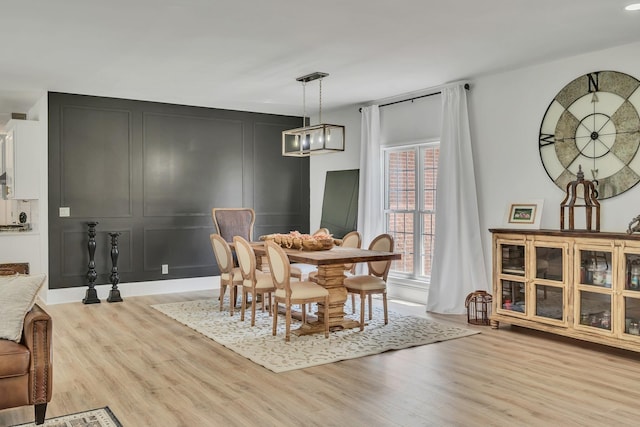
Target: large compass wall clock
[(594, 122)]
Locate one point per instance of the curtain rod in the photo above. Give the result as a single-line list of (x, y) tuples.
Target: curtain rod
[(466, 86)]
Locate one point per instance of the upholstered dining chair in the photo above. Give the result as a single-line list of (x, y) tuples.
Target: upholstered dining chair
[(254, 281), (375, 282), (290, 293), (230, 276), (232, 222)]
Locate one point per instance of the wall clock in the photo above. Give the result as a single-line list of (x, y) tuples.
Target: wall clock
[(594, 122)]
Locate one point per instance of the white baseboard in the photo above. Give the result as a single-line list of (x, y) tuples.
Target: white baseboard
[(407, 291), (61, 296)]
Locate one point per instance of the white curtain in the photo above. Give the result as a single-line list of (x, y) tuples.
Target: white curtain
[(370, 215), (458, 261)]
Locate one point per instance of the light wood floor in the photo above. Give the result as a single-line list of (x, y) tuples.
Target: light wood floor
[(152, 371)]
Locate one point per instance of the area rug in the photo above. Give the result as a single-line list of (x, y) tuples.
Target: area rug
[(260, 346), (102, 417)]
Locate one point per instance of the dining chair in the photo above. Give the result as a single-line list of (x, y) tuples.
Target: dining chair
[(254, 281), (290, 293), (353, 239), (232, 222), (229, 275), (375, 282)]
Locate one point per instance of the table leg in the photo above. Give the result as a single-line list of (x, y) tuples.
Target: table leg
[(332, 278)]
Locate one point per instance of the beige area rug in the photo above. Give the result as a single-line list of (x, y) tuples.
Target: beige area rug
[(102, 417), (260, 346)]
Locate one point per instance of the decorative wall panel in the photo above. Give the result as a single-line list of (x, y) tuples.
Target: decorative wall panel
[(156, 171)]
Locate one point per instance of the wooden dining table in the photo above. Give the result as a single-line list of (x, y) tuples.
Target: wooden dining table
[(331, 276)]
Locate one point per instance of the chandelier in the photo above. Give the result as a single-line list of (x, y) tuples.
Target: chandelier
[(314, 139)]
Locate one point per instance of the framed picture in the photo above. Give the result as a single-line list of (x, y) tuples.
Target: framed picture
[(524, 214)]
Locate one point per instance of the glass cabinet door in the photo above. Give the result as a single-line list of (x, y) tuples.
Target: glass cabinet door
[(513, 296), (632, 272), (512, 259), (549, 263), (549, 301), (595, 268), (549, 297), (595, 309), (631, 316), (631, 294)]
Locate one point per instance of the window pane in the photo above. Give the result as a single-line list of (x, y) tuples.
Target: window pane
[(410, 203), (401, 185), (430, 175), (400, 226), (428, 240)]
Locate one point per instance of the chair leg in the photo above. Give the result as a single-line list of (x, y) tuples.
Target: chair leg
[(384, 304), (287, 333), (362, 300), (243, 307), (232, 298), (40, 410), (223, 289), (304, 313), (253, 308), (274, 307), (370, 306), (353, 303)]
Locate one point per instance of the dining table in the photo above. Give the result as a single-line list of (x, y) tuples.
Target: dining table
[(331, 276)]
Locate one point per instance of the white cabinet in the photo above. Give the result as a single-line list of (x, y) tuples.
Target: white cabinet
[(21, 159)]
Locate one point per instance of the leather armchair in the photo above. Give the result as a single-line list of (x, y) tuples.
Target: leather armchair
[(26, 367)]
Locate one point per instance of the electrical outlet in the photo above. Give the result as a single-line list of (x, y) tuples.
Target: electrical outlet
[(165, 268), (64, 212)]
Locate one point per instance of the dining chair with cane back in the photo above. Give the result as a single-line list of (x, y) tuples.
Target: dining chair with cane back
[(254, 281), (375, 282), (232, 222), (290, 293), (230, 276)]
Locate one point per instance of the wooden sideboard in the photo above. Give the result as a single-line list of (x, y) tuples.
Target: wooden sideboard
[(584, 285)]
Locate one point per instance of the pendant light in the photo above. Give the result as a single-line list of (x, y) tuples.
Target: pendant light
[(314, 139)]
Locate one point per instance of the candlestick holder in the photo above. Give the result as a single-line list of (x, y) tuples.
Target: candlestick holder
[(91, 297), (114, 293)]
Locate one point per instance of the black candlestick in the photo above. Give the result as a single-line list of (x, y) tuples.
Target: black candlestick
[(91, 297), (114, 293)]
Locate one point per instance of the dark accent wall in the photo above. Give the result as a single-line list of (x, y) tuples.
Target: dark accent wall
[(153, 172)]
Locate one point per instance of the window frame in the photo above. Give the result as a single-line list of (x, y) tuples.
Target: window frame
[(418, 147)]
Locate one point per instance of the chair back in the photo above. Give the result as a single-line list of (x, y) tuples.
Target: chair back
[(279, 266), (383, 242), (321, 231), (232, 222), (246, 259), (222, 251), (352, 239)]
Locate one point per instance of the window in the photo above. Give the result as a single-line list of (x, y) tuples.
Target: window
[(410, 206)]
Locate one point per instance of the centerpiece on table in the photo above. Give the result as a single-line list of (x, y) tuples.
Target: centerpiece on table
[(297, 240)]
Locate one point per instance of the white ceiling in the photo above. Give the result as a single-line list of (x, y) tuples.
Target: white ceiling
[(246, 54)]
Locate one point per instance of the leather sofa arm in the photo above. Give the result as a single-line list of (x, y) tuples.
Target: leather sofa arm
[(37, 336)]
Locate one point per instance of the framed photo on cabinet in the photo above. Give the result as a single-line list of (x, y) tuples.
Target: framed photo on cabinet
[(525, 214)]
